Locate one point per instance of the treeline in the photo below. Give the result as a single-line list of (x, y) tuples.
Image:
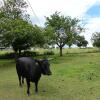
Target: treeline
[(18, 32)]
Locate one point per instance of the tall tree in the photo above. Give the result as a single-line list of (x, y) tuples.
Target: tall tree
[(16, 30), (12, 21), (20, 34), (63, 29), (16, 33)]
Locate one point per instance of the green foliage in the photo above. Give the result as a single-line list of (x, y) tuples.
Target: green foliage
[(11, 55), (96, 39), (71, 39), (80, 41), (7, 55), (29, 54), (13, 9), (16, 30), (63, 28), (17, 33), (56, 21), (49, 53), (49, 35), (84, 43), (39, 38)]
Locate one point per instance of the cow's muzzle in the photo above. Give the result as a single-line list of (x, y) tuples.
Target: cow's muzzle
[(49, 73)]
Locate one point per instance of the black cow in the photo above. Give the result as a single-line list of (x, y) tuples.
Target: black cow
[(31, 70)]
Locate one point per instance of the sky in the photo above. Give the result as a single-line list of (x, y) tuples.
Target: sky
[(87, 10)]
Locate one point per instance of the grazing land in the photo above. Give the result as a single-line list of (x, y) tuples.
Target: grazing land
[(75, 76)]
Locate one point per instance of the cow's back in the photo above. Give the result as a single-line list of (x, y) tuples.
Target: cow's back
[(25, 66), (28, 68)]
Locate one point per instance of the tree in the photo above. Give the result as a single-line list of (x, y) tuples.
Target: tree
[(49, 36), (80, 41), (84, 43), (13, 24), (17, 33), (20, 34), (16, 30), (63, 29), (13, 9), (39, 38), (11, 12), (71, 39), (96, 39)]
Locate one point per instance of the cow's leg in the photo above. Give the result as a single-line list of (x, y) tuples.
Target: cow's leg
[(36, 86), (23, 80), (28, 86), (20, 84)]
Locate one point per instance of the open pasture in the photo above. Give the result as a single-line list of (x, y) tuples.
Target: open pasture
[(75, 76)]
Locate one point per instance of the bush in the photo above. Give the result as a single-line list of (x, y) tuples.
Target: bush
[(29, 54), (23, 54), (7, 55), (49, 53)]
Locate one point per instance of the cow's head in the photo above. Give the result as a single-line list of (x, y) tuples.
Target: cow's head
[(45, 67)]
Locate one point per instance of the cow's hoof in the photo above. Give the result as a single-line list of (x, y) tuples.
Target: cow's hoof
[(36, 93), (20, 86), (28, 94)]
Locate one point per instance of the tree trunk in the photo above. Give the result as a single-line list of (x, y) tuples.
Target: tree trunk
[(19, 53), (61, 51), (16, 55), (69, 46)]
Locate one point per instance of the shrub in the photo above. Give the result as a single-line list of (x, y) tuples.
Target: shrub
[(23, 54), (29, 54), (7, 55), (49, 53)]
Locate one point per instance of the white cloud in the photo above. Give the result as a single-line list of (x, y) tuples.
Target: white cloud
[(74, 8), (92, 26), (97, 2), (1, 3)]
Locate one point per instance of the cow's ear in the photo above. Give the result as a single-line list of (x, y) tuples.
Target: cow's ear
[(38, 61)]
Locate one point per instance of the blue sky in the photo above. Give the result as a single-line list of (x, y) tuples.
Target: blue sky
[(92, 16), (94, 11)]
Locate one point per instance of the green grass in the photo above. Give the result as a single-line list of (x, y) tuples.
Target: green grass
[(75, 76)]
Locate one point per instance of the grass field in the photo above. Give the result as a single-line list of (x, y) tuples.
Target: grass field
[(75, 76)]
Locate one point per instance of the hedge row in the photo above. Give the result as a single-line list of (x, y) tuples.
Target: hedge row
[(25, 54)]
